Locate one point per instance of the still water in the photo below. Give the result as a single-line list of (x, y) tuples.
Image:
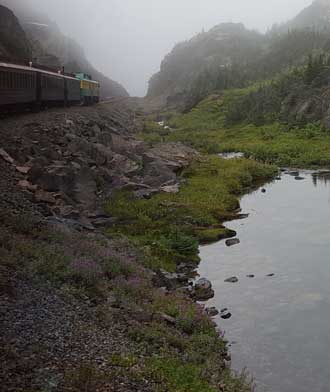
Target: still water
[(280, 325)]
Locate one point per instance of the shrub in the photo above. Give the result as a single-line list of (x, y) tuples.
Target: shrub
[(86, 272)]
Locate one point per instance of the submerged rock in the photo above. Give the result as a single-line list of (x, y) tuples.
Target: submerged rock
[(232, 242), (212, 312), (225, 314), (294, 173), (233, 279)]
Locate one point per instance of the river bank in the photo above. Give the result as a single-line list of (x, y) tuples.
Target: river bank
[(85, 298)]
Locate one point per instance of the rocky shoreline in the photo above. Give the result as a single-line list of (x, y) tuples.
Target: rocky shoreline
[(79, 298)]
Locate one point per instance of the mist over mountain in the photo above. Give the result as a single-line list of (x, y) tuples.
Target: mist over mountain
[(49, 47), (315, 17), (231, 56)]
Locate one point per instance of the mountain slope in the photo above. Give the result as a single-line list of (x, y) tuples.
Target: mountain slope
[(316, 17), (221, 47), (52, 48), (230, 56), (14, 45)]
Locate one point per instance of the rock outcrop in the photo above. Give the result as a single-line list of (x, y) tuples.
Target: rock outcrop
[(71, 161)]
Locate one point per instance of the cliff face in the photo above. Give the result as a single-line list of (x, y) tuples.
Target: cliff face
[(14, 45), (35, 36)]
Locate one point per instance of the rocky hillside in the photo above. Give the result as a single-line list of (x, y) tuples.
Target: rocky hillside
[(230, 56), (51, 48), (223, 46), (315, 17), (14, 44), (73, 162)]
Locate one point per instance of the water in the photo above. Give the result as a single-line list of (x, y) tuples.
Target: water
[(231, 155), (280, 325)]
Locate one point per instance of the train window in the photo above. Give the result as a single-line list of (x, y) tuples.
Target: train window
[(2, 79), (7, 80)]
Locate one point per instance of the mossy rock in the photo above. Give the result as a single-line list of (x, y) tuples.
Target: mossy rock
[(207, 236)]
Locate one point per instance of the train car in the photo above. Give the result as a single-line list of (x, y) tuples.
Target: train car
[(89, 89), (58, 89), (18, 85), (34, 88), (72, 88)]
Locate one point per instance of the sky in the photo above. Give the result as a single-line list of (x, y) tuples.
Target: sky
[(127, 39)]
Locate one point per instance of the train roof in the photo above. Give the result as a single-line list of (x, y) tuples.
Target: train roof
[(25, 68)]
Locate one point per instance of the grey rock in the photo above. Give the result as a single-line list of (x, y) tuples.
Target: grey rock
[(168, 319), (294, 173), (203, 290), (233, 279), (232, 242), (169, 280), (212, 312), (225, 315)]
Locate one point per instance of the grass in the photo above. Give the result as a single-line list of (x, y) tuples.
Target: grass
[(205, 129), (169, 226)]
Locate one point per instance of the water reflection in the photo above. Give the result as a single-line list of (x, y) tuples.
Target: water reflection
[(321, 177), (280, 324)]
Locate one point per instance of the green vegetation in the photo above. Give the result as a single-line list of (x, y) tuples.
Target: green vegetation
[(211, 127), (168, 226), (182, 351)]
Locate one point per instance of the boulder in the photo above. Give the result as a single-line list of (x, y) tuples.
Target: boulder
[(44, 197), (170, 280), (52, 178), (27, 185), (203, 290), (23, 169), (294, 173), (157, 174), (84, 187), (225, 314), (166, 318), (5, 156), (233, 279), (212, 312), (232, 242)]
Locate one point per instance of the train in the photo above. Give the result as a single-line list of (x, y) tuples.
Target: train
[(35, 88)]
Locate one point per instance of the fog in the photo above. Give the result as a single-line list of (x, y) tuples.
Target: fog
[(127, 39)]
